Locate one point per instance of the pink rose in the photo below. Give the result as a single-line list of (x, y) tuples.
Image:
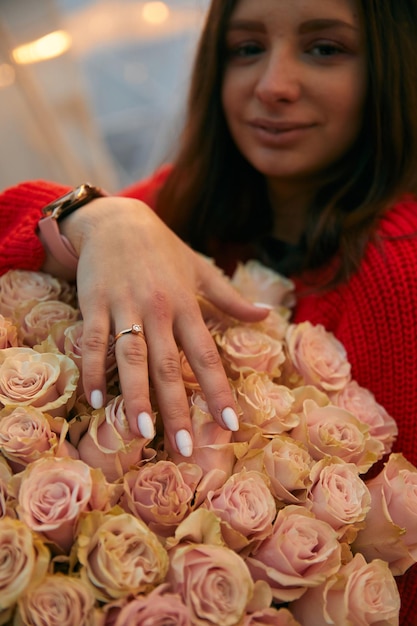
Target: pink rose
[(360, 593), (109, 442), (318, 356), (285, 462), (246, 509), (338, 495), (161, 494), (24, 559), (362, 404), (391, 524), (45, 381), (213, 582), (246, 349), (276, 324), (20, 286), (26, 433), (159, 607), (8, 334), (271, 617), (331, 431), (265, 404), (36, 319), (53, 492), (259, 283), (301, 552), (57, 601), (119, 555)]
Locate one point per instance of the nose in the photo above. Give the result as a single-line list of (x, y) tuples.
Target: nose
[(279, 79)]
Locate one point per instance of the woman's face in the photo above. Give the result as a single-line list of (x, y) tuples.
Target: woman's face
[(294, 85)]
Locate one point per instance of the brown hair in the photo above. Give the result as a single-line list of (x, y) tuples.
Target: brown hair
[(214, 194)]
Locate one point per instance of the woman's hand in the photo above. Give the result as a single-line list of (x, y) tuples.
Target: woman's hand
[(134, 270)]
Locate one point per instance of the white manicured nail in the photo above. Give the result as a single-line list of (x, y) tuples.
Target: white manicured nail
[(230, 419), (184, 442), (145, 425), (96, 399), (263, 305)]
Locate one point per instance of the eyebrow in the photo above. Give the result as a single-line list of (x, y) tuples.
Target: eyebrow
[(323, 24), (306, 27)]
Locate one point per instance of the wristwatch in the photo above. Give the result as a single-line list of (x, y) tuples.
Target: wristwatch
[(48, 226)]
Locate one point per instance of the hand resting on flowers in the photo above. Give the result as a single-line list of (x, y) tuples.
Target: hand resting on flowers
[(133, 269)]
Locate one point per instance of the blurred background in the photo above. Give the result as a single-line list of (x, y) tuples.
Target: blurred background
[(93, 90)]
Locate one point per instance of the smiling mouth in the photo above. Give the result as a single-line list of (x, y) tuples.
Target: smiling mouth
[(279, 129)]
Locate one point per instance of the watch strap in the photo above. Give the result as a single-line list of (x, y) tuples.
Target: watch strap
[(58, 245)]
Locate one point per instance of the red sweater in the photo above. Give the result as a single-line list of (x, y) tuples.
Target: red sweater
[(373, 315)]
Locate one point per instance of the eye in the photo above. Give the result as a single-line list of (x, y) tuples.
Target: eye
[(245, 50), (325, 50)]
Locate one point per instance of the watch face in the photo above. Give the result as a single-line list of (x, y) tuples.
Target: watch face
[(71, 201)]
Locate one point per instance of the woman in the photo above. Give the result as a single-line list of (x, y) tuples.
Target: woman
[(300, 148)]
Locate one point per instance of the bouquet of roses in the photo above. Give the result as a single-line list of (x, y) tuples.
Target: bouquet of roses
[(276, 524)]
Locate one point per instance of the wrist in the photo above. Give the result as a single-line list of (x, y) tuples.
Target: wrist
[(50, 225)]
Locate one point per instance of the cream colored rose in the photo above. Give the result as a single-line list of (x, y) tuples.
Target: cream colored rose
[(189, 378), (360, 593), (265, 404), (52, 493), (45, 381), (285, 462), (332, 431), (213, 581), (259, 283), (20, 286), (391, 524), (110, 444), (6, 499), (301, 552), (57, 601), (119, 555), (318, 356), (246, 509), (338, 495), (8, 334), (361, 402), (24, 559), (36, 319), (246, 349), (161, 494)]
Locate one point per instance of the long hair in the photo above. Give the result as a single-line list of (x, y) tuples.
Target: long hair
[(214, 194)]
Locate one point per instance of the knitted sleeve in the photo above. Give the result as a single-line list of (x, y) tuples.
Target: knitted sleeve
[(20, 211), (374, 316)]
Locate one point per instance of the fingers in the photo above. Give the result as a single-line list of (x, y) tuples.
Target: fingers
[(205, 361), (132, 358)]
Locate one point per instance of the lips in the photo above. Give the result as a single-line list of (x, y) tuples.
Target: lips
[(277, 128)]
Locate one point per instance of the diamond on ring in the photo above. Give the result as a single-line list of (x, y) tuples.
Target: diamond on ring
[(135, 329)]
